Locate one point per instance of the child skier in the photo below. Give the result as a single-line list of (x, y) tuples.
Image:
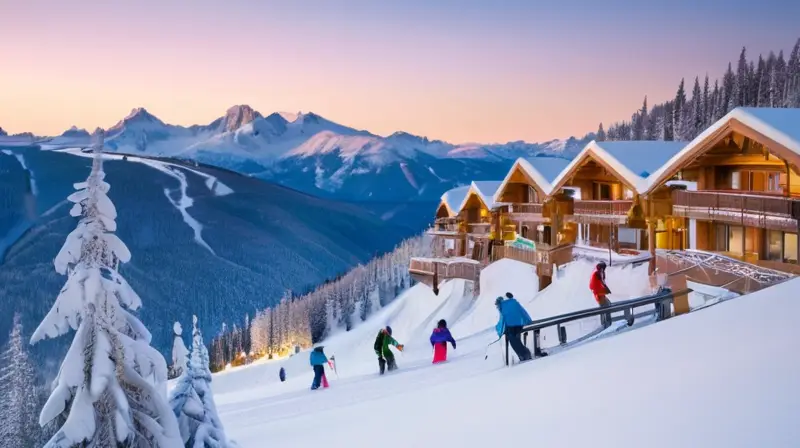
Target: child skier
[(385, 355), (439, 339), (318, 361)]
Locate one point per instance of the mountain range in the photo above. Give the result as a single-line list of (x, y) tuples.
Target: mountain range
[(310, 153), (204, 240)]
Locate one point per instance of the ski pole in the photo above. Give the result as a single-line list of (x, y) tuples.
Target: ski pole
[(487, 348)]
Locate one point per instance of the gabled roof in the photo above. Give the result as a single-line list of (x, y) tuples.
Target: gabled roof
[(631, 161), (542, 170), (485, 189), (782, 126), (452, 199)]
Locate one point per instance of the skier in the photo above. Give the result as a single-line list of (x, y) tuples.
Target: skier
[(439, 339), (385, 355), (600, 290), (318, 361), (512, 318), (537, 350), (282, 374)]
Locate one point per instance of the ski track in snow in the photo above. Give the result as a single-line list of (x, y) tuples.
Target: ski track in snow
[(183, 203), (21, 159)]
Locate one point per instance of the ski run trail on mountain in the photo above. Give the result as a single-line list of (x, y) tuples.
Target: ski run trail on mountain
[(21, 159), (184, 201), (722, 376)]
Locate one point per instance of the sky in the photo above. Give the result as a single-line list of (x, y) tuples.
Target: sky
[(456, 70)]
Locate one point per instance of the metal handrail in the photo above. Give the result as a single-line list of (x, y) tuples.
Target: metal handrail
[(662, 301)]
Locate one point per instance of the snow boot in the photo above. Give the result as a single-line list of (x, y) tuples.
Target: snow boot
[(382, 364)]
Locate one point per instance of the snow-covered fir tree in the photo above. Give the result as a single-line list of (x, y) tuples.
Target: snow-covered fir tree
[(192, 402), (110, 389), (179, 351), (678, 119), (697, 111), (18, 393), (600, 136)]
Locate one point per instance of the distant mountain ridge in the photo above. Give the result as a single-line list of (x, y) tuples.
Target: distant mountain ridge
[(310, 153)]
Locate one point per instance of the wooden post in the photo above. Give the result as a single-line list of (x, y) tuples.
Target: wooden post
[(651, 244)]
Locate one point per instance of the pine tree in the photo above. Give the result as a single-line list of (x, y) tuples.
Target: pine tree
[(716, 102), (667, 133), (18, 394), (697, 110), (111, 386), (777, 80), (793, 77), (192, 402), (706, 107), (752, 85), (179, 351), (739, 97), (678, 120), (763, 83), (601, 134), (728, 99)]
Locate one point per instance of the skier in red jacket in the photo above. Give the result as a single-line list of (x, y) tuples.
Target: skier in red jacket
[(600, 290)]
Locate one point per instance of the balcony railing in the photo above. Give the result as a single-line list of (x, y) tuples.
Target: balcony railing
[(522, 208), (617, 208), (480, 228), (744, 208)]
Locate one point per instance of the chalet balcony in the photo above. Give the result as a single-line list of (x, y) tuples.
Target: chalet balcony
[(480, 229), (750, 209), (601, 212), (522, 211)]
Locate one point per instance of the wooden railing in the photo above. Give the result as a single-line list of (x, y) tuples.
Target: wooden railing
[(522, 208), (745, 208), (445, 269), (544, 257), (480, 228), (602, 207)]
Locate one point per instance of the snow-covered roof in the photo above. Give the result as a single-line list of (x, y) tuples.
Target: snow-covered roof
[(780, 125), (485, 189), (542, 170), (453, 198), (632, 161)]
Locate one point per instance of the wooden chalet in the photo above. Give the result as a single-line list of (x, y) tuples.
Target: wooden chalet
[(599, 192), (735, 189)]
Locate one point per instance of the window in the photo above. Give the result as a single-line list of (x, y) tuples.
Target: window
[(736, 180), (774, 182), (735, 238), (721, 237), (790, 248), (775, 245), (603, 192)]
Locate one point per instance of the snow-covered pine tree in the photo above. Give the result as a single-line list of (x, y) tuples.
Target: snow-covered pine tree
[(752, 85), (778, 77), (18, 393), (728, 94), (678, 107), (739, 97), (697, 110), (110, 388), (192, 402), (706, 106), (793, 77), (716, 102), (179, 351)]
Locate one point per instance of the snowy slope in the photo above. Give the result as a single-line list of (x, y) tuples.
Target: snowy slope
[(692, 381)]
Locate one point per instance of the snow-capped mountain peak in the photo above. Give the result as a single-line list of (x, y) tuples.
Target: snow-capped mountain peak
[(74, 131), (238, 116)]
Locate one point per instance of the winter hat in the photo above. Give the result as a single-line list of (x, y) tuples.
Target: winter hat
[(442, 323), (601, 265), (498, 301), (509, 295), (389, 330)]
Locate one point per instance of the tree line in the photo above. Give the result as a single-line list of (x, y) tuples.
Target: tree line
[(771, 81), (302, 320)]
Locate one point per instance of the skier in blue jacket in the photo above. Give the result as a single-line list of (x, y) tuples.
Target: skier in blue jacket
[(318, 361), (512, 318)]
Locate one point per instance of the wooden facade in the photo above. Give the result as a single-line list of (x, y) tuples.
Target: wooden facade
[(745, 200)]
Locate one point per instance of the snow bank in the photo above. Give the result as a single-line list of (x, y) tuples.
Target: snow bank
[(689, 381)]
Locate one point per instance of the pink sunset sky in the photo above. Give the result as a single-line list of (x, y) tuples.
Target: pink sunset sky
[(461, 71)]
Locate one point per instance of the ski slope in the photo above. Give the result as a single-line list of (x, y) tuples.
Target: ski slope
[(722, 376)]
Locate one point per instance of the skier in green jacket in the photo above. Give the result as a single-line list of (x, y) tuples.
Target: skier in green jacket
[(385, 355)]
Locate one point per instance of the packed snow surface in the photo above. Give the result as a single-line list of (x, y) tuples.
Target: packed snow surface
[(693, 380)]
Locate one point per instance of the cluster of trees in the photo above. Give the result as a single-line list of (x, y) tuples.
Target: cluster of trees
[(300, 321), (768, 82)]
